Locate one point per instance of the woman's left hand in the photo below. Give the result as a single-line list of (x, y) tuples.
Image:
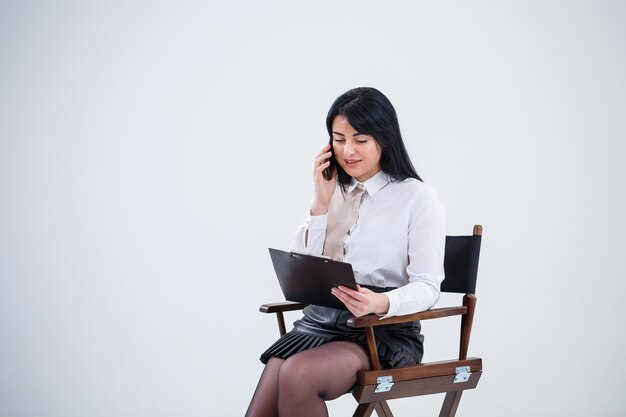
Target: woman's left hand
[(362, 301)]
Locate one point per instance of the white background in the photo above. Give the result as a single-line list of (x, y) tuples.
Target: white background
[(151, 152)]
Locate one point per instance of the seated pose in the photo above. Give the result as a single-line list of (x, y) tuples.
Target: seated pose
[(372, 210)]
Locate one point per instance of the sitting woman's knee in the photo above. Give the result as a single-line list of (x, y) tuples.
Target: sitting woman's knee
[(292, 373), (297, 377)]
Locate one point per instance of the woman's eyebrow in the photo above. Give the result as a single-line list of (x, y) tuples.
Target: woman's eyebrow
[(341, 134)]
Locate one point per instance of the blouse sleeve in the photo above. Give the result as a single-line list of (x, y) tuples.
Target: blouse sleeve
[(426, 246), (313, 243)]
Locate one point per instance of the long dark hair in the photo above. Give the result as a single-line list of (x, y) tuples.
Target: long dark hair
[(368, 111)]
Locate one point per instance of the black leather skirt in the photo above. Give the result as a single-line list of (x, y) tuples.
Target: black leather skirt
[(398, 344)]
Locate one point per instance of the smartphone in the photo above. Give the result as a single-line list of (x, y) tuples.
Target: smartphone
[(328, 172)]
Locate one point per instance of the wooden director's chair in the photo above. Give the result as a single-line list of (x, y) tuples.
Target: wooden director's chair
[(375, 386)]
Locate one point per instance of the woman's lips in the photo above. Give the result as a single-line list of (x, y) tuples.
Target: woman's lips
[(351, 162)]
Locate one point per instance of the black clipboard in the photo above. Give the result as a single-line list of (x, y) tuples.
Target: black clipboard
[(309, 279)]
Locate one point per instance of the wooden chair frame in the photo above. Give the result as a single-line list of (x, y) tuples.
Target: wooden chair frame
[(375, 386)]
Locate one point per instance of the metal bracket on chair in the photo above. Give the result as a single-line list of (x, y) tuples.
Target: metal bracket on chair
[(462, 374), (384, 384)]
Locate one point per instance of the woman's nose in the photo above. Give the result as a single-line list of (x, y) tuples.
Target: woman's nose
[(349, 148)]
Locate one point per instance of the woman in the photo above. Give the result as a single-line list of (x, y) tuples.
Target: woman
[(372, 210)]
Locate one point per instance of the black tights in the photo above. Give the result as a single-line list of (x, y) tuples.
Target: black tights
[(300, 385)]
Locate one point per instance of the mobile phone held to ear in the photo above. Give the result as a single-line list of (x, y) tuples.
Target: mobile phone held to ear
[(328, 172)]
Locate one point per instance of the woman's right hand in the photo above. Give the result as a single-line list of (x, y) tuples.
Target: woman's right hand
[(324, 188)]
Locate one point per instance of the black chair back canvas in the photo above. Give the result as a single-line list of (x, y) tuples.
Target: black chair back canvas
[(461, 264)]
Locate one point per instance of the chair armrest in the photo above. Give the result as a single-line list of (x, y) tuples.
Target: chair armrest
[(435, 313), (280, 307)]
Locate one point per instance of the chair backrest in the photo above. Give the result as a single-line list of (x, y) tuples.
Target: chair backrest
[(461, 262)]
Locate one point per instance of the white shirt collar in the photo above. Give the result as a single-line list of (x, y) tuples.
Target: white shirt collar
[(374, 184)]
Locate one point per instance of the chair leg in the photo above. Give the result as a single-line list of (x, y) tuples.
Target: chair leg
[(450, 404), (364, 410), (383, 410)]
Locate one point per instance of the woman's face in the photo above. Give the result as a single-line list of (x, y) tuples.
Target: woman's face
[(357, 153)]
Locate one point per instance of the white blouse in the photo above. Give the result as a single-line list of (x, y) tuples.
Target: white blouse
[(397, 241)]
